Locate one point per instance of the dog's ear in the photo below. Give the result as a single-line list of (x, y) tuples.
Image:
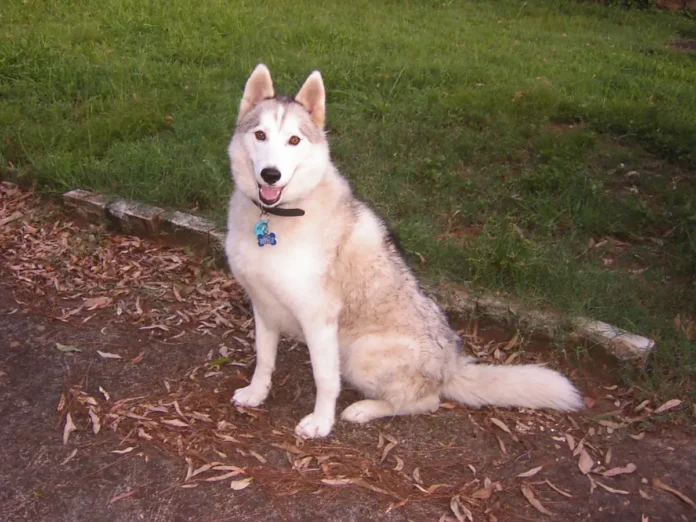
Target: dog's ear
[(258, 87), (313, 97)]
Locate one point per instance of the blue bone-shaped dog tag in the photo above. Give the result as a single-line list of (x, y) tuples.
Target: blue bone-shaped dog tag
[(261, 231), (268, 239)]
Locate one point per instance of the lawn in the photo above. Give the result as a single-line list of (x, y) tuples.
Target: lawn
[(542, 148)]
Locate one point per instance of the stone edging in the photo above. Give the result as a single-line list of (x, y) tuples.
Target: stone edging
[(619, 343), (186, 229), (144, 220)]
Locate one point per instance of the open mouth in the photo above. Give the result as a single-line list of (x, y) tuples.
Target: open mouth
[(270, 195)]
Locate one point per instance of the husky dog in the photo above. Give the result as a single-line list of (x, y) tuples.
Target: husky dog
[(321, 266)]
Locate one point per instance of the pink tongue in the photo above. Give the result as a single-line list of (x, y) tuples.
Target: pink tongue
[(270, 193)]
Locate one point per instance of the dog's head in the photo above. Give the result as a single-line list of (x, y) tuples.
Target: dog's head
[(279, 152)]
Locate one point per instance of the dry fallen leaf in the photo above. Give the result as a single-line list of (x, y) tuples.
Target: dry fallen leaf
[(629, 468), (123, 495), (123, 451), (612, 490), (580, 446), (258, 457), (204, 468), (97, 302), (644, 495), (303, 463), (483, 493), (672, 403), (363, 484), (284, 445), (642, 405), (216, 478), (610, 424), (656, 482), (607, 457), (175, 422), (512, 342), (585, 463), (105, 394), (68, 429), (189, 468), (416, 476), (571, 441), (65, 348), (529, 495), (241, 484), (460, 510), (501, 444), (558, 490), (432, 488), (229, 468), (69, 457), (512, 357), (386, 451), (228, 438), (639, 436), (107, 355), (503, 427), (337, 482), (61, 403), (399, 464), (96, 425), (530, 473)]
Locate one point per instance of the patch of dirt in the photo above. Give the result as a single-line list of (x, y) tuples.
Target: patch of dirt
[(684, 44), (559, 127), (166, 426), (459, 236)]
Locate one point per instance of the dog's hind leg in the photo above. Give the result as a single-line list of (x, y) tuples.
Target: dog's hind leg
[(386, 369), (267, 338), (367, 410)]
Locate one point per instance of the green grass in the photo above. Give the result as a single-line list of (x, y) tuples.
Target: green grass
[(539, 125)]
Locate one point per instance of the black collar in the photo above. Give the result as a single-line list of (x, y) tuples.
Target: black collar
[(277, 211)]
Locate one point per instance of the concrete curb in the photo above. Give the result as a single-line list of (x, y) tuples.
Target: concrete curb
[(144, 220), (623, 345), (189, 230)]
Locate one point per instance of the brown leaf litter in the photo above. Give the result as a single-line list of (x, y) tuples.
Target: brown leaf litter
[(87, 276)]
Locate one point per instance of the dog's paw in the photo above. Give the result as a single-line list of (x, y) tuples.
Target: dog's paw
[(314, 427), (359, 412), (250, 396)]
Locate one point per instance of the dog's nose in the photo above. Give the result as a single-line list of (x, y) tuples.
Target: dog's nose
[(270, 175)]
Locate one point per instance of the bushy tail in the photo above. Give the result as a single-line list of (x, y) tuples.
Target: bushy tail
[(524, 386)]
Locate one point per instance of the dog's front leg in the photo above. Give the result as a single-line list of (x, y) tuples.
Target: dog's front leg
[(267, 337), (322, 340)]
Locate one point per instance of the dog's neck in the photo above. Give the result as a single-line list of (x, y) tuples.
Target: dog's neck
[(280, 211)]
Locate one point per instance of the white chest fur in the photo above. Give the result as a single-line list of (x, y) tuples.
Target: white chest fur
[(282, 279)]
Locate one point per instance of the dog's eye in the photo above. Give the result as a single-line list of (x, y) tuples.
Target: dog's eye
[(294, 140), (260, 135)]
